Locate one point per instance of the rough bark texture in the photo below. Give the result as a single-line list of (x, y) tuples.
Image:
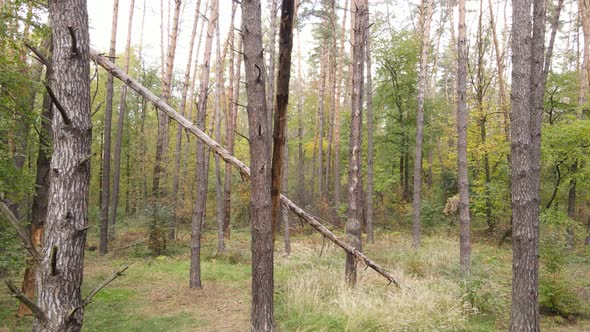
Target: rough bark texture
[(526, 114), (285, 210), (202, 154), (60, 272), (300, 155), (426, 15), (353, 224), (463, 182), (272, 41), (262, 317), (282, 101), (370, 159), (121, 120), (228, 158), (106, 156)]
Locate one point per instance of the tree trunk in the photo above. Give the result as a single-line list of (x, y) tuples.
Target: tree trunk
[(41, 197), (60, 272), (202, 154), (353, 224), (270, 93), (321, 102), (282, 101), (119, 141), (300, 156), (369, 197), (177, 156), (284, 209), (234, 93), (244, 170), (217, 123), (426, 15), (527, 107), (463, 181), (337, 184), (106, 157), (262, 317)]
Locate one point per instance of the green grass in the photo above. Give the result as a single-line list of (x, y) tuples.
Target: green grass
[(310, 294)]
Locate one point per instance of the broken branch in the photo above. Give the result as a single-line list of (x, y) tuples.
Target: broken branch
[(229, 158), (22, 234), (17, 294), (115, 275)]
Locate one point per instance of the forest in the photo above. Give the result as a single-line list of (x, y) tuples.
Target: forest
[(295, 165)]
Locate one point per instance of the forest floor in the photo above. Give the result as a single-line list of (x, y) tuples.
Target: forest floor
[(310, 295)]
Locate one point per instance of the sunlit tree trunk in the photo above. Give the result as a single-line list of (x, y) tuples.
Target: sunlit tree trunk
[(463, 181), (353, 224), (425, 18)]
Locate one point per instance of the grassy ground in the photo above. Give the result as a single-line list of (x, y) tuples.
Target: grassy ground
[(153, 295)]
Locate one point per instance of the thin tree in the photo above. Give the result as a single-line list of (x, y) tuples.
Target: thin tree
[(201, 154), (41, 197), (425, 18), (64, 238), (353, 224), (337, 184), (262, 317), (230, 124), (282, 101), (217, 123), (463, 182), (106, 157), (272, 38), (528, 33), (177, 155), (370, 148), (121, 120)]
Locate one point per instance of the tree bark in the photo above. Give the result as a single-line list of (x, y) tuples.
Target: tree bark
[(370, 149), (300, 155), (119, 141), (202, 154), (262, 317), (270, 93), (285, 210), (463, 181), (353, 224), (106, 157), (282, 101), (527, 107), (60, 272), (426, 15)]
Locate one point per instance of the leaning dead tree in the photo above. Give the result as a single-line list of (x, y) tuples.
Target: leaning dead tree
[(229, 158)]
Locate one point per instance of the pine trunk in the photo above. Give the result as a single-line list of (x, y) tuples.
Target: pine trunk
[(353, 224), (425, 18), (202, 155), (119, 141), (463, 182), (262, 317), (106, 157), (60, 272), (370, 149)]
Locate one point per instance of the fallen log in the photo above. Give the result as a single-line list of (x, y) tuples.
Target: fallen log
[(228, 158)]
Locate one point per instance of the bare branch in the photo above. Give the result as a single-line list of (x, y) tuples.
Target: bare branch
[(20, 231), (115, 275), (57, 104), (17, 294)]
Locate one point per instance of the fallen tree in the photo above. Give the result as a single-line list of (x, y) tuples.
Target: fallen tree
[(229, 158)]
